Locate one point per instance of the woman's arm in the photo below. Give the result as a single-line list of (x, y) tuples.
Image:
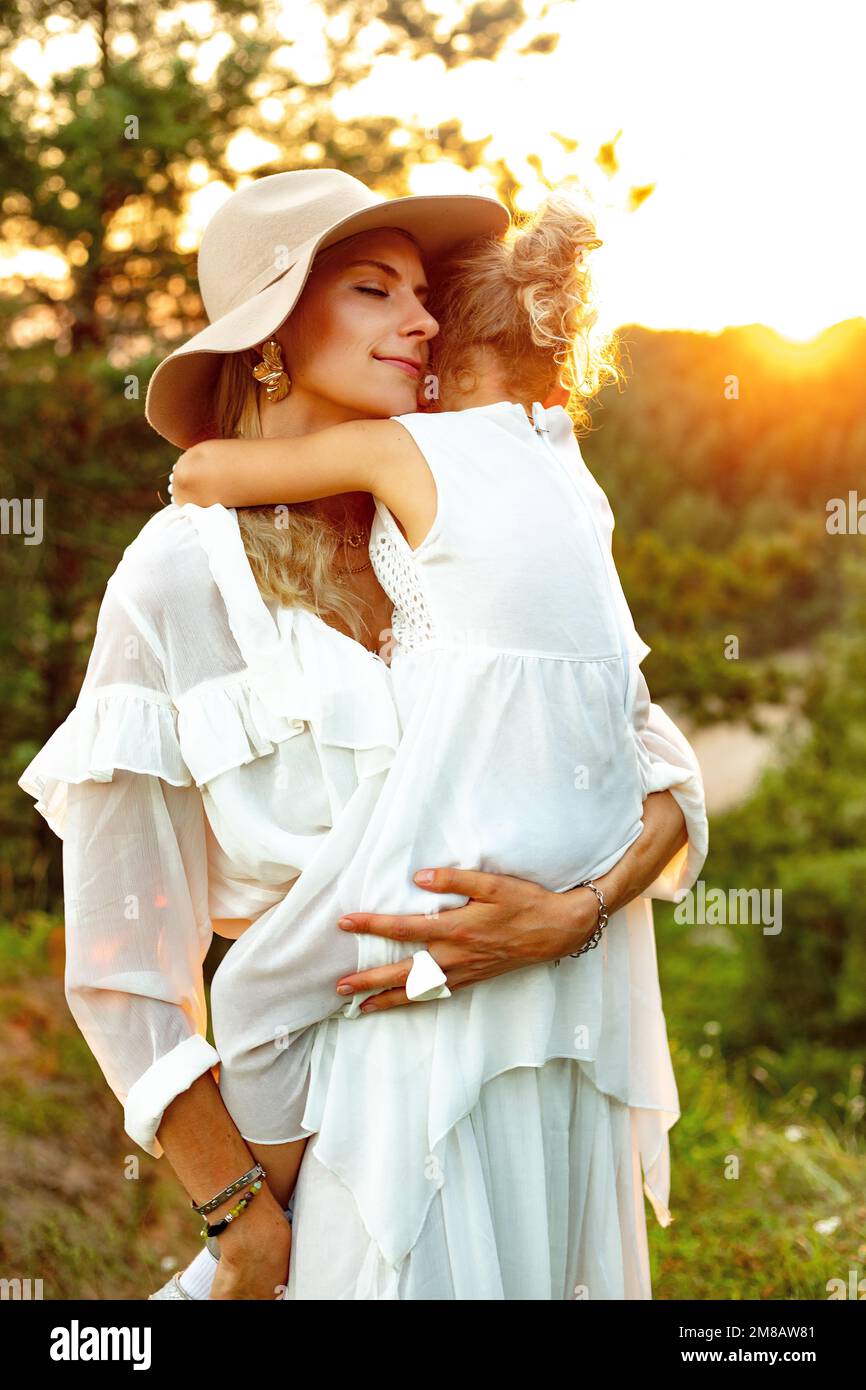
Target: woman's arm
[(135, 886), (668, 763), (207, 1152), (509, 922), (664, 836), (136, 907), (230, 927), (137, 931)]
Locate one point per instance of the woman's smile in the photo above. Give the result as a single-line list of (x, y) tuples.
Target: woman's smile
[(405, 364)]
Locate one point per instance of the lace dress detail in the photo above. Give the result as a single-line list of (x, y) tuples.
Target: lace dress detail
[(411, 623)]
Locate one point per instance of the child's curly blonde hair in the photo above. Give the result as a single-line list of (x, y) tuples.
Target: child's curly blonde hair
[(527, 296)]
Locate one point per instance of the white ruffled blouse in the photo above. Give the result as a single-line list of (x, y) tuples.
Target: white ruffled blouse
[(215, 741)]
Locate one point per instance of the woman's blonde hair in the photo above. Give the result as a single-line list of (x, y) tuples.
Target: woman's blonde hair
[(291, 551), (529, 297)]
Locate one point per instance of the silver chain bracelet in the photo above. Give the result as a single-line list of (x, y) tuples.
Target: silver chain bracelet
[(257, 1171), (600, 924)]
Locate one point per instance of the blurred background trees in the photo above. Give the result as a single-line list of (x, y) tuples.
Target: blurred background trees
[(98, 164), (719, 456)]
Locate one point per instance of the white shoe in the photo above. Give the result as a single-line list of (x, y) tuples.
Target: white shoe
[(170, 1290)]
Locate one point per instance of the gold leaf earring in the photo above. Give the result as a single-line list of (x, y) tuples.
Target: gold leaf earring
[(270, 371)]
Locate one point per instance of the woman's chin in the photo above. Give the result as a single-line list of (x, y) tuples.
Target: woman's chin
[(404, 400)]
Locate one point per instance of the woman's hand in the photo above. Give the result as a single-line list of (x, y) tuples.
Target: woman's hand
[(507, 924), (254, 1258)]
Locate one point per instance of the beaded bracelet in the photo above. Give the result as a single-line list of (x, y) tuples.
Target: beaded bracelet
[(601, 923), (229, 1217), (257, 1171)]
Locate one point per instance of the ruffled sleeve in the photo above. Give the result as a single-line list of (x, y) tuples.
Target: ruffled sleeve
[(124, 718), (137, 931), (191, 675), (112, 782)]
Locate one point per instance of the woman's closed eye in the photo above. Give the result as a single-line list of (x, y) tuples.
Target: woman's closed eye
[(368, 289)]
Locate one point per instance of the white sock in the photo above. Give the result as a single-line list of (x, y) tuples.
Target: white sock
[(197, 1279)]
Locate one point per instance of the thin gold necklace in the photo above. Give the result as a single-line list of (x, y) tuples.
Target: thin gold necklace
[(358, 569), (355, 539)]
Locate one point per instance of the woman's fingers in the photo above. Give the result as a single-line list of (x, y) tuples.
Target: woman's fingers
[(393, 977), (472, 883), (461, 933), (379, 977), (390, 999), (393, 998), (436, 926), (417, 928)]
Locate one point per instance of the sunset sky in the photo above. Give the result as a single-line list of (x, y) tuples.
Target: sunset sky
[(747, 117)]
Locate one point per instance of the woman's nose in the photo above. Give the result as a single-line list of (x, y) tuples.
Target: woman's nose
[(421, 324)]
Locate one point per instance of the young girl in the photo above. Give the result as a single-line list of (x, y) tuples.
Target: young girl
[(515, 672)]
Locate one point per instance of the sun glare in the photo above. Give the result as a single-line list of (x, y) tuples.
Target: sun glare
[(744, 127)]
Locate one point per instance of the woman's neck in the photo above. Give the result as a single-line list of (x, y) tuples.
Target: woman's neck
[(347, 512)]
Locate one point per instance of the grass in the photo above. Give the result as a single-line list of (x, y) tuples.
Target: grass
[(81, 1206), (769, 1146), (763, 1208)]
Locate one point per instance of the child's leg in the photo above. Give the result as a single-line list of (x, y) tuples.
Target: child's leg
[(289, 981), (271, 990)]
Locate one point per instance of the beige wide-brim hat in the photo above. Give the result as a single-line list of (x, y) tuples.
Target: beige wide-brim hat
[(256, 253)]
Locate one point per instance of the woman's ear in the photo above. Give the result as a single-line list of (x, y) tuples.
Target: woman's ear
[(558, 396)]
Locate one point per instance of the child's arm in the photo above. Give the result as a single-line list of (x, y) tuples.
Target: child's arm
[(376, 456)]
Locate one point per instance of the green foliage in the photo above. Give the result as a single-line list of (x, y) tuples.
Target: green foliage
[(721, 503), (24, 944), (804, 832)]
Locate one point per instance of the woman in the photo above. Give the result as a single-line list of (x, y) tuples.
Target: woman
[(201, 674)]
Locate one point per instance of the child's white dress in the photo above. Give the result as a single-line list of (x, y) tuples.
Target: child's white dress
[(488, 1144)]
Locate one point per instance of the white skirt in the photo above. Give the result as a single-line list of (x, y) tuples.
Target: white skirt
[(542, 1198)]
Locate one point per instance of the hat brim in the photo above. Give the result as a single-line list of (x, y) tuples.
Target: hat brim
[(176, 405)]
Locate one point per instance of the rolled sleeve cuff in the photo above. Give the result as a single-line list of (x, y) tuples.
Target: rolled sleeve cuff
[(669, 764), (153, 1092), (681, 872)]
